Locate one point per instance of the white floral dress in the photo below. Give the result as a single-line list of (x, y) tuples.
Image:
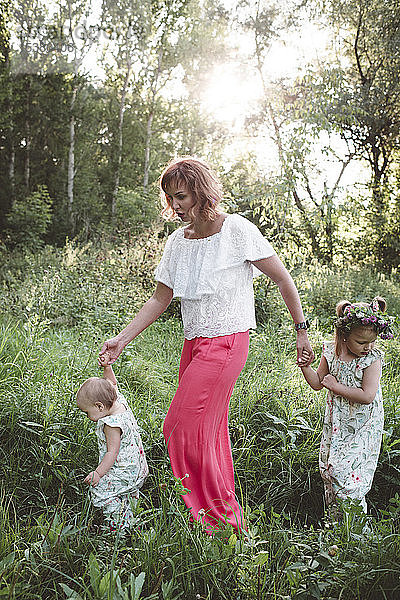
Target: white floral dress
[(119, 487), (352, 433)]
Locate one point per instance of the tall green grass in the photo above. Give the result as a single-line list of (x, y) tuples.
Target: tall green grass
[(52, 544)]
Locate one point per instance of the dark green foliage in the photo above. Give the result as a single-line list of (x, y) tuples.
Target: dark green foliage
[(258, 198), (322, 287), (29, 220), (135, 210), (86, 136)]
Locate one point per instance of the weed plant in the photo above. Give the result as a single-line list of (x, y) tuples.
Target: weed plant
[(52, 543)]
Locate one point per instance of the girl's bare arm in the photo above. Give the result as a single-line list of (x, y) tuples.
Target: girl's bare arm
[(108, 372), (314, 378), (113, 439)]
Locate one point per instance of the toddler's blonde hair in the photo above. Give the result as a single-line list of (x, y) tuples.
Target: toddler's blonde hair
[(98, 389)]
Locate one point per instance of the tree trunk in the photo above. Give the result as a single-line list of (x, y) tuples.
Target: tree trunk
[(120, 139), (11, 145), (149, 131), (147, 150), (71, 160), (5, 51), (11, 172), (27, 163)]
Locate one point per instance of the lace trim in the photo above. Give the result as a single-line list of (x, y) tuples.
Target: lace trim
[(196, 267)]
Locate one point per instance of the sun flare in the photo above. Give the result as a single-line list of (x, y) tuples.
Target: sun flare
[(231, 94)]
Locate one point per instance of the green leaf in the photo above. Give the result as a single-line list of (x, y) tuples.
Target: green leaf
[(94, 572), (136, 585), (7, 561), (261, 558), (104, 584), (70, 594), (323, 559)]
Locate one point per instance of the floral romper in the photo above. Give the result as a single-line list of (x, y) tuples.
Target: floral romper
[(120, 485), (352, 433)]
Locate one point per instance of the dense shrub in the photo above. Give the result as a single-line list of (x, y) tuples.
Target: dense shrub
[(82, 285), (135, 210), (105, 284), (321, 288), (29, 219)]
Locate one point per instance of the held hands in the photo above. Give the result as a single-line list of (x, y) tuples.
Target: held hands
[(304, 359), (104, 359), (305, 354), (110, 351), (92, 479)]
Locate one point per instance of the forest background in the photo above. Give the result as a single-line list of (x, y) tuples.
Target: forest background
[(95, 99)]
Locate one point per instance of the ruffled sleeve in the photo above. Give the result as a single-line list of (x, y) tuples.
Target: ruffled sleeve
[(366, 361), (328, 350), (163, 270), (245, 242), (112, 421), (118, 420), (196, 267)]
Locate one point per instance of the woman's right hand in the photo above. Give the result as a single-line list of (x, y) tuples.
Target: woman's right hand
[(110, 351)]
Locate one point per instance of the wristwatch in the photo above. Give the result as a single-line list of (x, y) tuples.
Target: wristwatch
[(303, 325)]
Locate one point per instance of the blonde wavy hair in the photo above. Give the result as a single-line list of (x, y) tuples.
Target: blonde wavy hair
[(199, 180), (97, 389)]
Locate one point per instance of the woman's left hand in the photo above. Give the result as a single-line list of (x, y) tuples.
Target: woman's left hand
[(305, 354)]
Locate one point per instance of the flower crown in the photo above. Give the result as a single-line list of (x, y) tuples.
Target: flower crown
[(366, 316)]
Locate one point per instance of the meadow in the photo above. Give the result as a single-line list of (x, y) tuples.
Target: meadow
[(58, 307)]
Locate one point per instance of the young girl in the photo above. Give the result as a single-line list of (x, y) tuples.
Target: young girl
[(350, 369), (122, 469)]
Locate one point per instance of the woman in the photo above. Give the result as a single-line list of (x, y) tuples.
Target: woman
[(208, 264)]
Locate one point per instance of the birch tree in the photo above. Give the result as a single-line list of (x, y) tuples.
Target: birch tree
[(127, 24), (29, 17), (72, 16), (6, 116)]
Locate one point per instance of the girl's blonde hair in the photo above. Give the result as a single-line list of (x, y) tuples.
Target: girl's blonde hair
[(343, 329), (199, 180), (98, 389)]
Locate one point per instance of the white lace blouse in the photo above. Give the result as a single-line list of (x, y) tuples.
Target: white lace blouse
[(213, 276)]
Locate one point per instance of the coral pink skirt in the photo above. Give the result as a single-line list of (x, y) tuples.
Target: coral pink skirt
[(196, 427)]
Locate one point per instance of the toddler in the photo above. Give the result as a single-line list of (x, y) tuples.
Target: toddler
[(350, 369), (122, 467)]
